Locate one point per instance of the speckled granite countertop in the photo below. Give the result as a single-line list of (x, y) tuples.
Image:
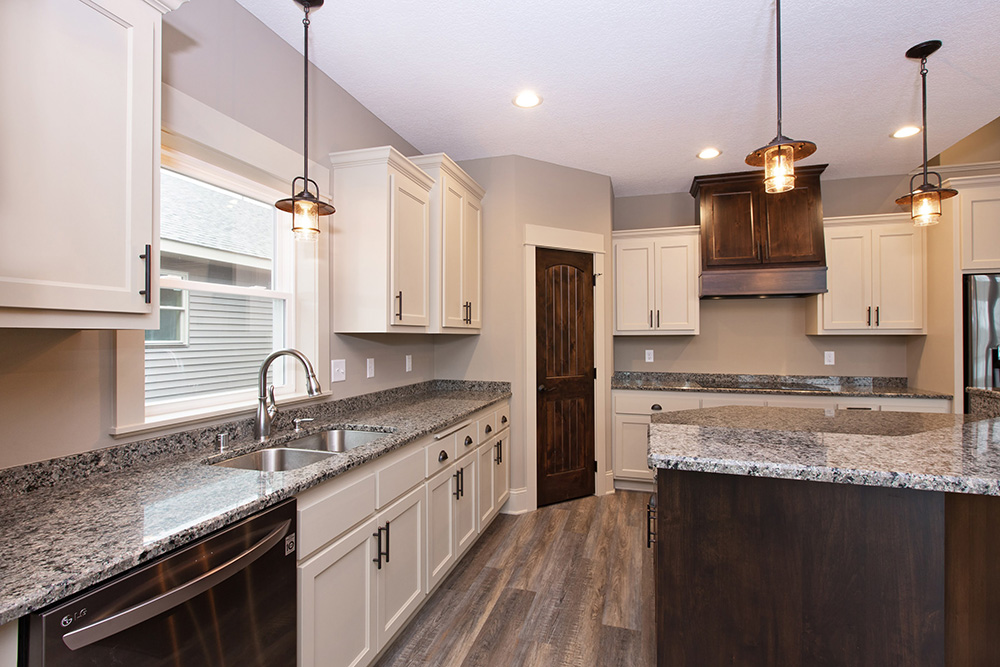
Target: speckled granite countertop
[(810, 385), (70, 523), (983, 402), (931, 452)]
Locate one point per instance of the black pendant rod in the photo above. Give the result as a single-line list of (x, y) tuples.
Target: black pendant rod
[(305, 100), (923, 95), (777, 21)]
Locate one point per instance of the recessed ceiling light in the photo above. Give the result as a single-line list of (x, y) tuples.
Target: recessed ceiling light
[(527, 100), (906, 131), (709, 153)]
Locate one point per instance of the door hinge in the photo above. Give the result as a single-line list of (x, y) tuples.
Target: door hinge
[(595, 278), (595, 466), (595, 372)]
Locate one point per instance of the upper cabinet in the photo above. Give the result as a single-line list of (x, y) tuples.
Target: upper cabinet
[(876, 278), (456, 211), (656, 281), (742, 228), (79, 126), (380, 238), (978, 205)]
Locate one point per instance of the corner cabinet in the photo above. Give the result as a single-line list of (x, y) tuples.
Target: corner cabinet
[(380, 241), (456, 211), (656, 281), (876, 278), (80, 162)]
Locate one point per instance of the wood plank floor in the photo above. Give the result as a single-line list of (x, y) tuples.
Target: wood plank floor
[(570, 584)]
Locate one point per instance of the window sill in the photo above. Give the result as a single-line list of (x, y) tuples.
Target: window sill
[(193, 418)]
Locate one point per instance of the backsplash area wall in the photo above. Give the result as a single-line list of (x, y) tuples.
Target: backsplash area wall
[(761, 336)]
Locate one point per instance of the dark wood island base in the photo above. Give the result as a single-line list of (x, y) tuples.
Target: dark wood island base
[(763, 571)]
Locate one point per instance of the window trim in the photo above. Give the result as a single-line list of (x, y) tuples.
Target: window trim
[(208, 140), (167, 282)]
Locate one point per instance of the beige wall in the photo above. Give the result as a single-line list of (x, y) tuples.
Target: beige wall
[(57, 387), (519, 192), (983, 145), (761, 336)]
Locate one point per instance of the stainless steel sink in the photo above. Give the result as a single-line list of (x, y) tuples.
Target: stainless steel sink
[(335, 440), (276, 459)]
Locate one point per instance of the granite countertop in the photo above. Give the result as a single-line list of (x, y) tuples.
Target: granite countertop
[(810, 385), (931, 452), (69, 524)]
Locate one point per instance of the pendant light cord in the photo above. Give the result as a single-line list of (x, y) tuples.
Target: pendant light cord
[(305, 100), (923, 96), (777, 21)]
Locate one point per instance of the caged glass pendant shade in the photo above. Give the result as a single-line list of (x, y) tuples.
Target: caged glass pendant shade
[(925, 199), (778, 157), (305, 206)]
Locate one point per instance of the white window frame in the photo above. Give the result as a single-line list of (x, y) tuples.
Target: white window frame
[(208, 145), (168, 281)]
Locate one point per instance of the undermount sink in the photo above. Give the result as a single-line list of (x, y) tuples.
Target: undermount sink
[(335, 440), (276, 459)]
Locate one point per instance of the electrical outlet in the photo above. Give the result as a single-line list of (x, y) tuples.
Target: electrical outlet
[(371, 367), (338, 370), (828, 357), (409, 363), (649, 356)]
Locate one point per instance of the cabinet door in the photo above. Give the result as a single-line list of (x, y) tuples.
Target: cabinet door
[(440, 526), (631, 447), (847, 303), (79, 114), (452, 253), (634, 285), (466, 516), (486, 492), (410, 230), (792, 224), (980, 216), (501, 471), (676, 284), (729, 234), (898, 277), (337, 602), (401, 578), (472, 265)]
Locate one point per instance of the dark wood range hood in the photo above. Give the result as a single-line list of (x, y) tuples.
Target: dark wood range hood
[(758, 245)]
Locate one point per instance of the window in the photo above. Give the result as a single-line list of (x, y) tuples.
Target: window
[(173, 319)]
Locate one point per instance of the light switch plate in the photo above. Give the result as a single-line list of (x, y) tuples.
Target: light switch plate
[(409, 363), (338, 370), (828, 358), (649, 356), (371, 367)]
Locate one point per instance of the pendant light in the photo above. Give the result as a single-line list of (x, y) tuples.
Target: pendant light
[(777, 157), (925, 200), (306, 206)]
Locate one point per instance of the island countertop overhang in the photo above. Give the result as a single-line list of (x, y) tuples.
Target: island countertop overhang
[(928, 452)]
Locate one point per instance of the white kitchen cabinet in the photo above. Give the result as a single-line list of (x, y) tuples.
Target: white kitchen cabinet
[(487, 454), (337, 602), (978, 205), (400, 565), (441, 527), (631, 434), (456, 214), (656, 281), (80, 130), (466, 512), (723, 399), (380, 238), (501, 472), (876, 280)]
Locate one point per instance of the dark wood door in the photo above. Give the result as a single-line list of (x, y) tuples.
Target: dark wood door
[(564, 312)]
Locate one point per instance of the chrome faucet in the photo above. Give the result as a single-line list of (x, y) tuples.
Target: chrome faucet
[(266, 407)]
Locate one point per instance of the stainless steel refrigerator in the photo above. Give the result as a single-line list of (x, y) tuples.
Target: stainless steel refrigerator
[(982, 331)]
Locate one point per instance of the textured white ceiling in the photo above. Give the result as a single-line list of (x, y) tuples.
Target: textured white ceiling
[(634, 89)]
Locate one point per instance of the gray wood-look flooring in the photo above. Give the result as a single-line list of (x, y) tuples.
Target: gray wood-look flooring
[(570, 584)]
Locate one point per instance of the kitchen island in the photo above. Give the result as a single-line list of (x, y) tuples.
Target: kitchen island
[(793, 536)]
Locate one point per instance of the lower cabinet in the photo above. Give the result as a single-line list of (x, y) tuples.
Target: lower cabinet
[(501, 472), (399, 563), (494, 480), (441, 529)]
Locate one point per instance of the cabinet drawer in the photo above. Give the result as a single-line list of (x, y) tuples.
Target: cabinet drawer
[(487, 426), (327, 511), (641, 404), (400, 476), (503, 417), (465, 439), (440, 454)]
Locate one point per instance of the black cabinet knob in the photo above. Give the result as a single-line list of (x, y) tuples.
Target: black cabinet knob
[(656, 406)]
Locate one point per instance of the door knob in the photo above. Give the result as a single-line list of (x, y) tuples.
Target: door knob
[(541, 388)]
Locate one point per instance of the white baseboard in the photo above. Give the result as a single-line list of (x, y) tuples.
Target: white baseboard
[(517, 503), (609, 482), (635, 485)]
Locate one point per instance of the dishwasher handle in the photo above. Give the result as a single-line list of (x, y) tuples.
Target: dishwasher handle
[(146, 610)]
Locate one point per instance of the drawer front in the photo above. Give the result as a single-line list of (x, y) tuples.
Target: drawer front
[(440, 454), (466, 440), (325, 514), (487, 426), (503, 417), (640, 404), (400, 476)]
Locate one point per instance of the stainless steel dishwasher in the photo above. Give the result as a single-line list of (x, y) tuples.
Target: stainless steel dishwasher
[(226, 600)]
